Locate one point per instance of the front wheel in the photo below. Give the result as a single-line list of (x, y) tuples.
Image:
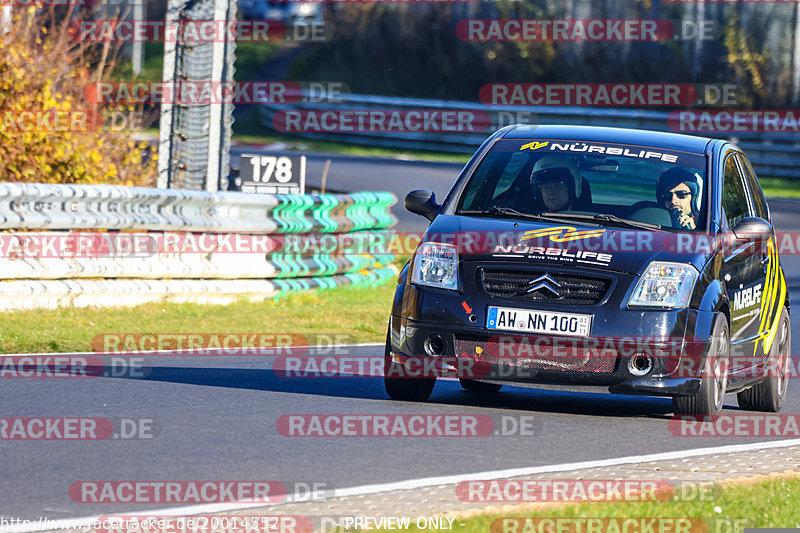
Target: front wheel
[(710, 398), (770, 393), (402, 388)]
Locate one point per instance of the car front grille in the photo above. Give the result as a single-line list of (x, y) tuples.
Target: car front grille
[(560, 354), (567, 289)]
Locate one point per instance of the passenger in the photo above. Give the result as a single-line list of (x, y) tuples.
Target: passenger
[(559, 182), (678, 191)]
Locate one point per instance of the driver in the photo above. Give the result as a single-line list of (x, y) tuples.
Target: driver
[(677, 191), (559, 182)]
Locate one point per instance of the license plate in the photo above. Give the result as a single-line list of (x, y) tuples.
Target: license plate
[(534, 321)]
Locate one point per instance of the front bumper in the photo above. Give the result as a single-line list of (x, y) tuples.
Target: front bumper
[(410, 351), (673, 335)]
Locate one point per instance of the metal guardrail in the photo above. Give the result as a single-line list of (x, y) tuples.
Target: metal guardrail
[(40, 206), (185, 245), (37, 294), (175, 255), (772, 154)]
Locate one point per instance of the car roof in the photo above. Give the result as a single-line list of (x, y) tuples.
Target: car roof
[(657, 139)]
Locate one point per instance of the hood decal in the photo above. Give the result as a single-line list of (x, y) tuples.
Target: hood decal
[(561, 234)]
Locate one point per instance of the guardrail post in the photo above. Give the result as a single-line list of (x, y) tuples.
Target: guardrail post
[(165, 127), (195, 136)]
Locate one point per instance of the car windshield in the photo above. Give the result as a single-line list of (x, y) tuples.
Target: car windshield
[(584, 180)]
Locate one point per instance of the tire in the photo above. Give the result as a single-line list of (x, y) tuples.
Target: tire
[(479, 386), (769, 394), (709, 400), (404, 389)]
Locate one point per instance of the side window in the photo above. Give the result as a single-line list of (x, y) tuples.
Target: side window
[(756, 194), (474, 195), (734, 198), (510, 173)]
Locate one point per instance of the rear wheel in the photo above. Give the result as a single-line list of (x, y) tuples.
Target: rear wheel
[(403, 388), (479, 386), (770, 393), (714, 377)]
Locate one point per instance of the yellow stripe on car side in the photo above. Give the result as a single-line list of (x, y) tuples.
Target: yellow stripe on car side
[(773, 286), (765, 297), (774, 329)]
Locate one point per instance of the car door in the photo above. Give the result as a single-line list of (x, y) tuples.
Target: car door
[(742, 269), (767, 254)]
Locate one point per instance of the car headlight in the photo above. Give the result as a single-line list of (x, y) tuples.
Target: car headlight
[(665, 285), (436, 265)]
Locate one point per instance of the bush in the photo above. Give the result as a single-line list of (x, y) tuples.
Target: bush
[(43, 73)]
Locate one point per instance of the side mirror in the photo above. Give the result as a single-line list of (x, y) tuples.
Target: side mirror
[(753, 229), (422, 202)]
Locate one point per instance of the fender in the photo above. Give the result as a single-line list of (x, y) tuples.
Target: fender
[(714, 301), (710, 293), (399, 292), (715, 298)]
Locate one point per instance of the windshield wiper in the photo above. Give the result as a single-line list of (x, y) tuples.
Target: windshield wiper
[(511, 212), (560, 217), (606, 217)]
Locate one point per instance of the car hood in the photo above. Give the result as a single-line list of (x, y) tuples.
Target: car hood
[(568, 244)]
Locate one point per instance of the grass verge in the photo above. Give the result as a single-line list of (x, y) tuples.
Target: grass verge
[(766, 503), (359, 312), (780, 187)]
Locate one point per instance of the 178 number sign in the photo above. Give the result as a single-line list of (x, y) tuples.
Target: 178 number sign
[(269, 174)]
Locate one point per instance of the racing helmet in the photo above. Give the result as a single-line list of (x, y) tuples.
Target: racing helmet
[(552, 167), (673, 177)]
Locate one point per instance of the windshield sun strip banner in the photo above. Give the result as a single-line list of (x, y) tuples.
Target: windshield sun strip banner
[(608, 149)]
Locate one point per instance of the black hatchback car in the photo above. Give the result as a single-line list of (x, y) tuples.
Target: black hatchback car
[(639, 261)]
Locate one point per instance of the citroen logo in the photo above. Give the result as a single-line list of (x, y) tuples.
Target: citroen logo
[(545, 281)]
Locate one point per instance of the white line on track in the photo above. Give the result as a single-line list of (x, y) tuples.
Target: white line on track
[(418, 483)]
